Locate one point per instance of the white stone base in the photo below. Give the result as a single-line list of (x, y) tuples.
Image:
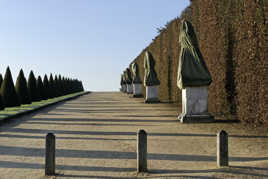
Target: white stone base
[(137, 92), (195, 105), (124, 88), (151, 94), (129, 89)]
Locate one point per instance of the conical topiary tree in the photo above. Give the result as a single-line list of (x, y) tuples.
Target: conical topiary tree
[(8, 92), (56, 86), (40, 88), (22, 90), (2, 106), (51, 86), (46, 88), (1, 80), (32, 87)]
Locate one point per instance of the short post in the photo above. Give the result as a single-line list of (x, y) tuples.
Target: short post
[(222, 149), (142, 151), (50, 154)]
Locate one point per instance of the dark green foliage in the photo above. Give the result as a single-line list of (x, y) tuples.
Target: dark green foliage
[(46, 88), (51, 87), (61, 87), (8, 91), (2, 106), (32, 88), (22, 90), (1, 80), (57, 86), (40, 88)]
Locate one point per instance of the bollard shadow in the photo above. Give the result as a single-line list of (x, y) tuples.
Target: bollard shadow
[(83, 124), (104, 133), (98, 120), (64, 138), (62, 168), (68, 153)]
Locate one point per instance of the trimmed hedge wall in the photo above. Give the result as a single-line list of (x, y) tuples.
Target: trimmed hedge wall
[(233, 38)]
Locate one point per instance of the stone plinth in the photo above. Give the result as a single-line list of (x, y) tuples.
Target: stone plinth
[(195, 105), (124, 88), (151, 94), (137, 92), (129, 89)]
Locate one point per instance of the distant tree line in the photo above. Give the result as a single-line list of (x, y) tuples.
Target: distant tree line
[(34, 89)]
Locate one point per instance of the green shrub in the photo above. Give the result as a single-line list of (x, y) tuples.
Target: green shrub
[(51, 87), (8, 92), (22, 90), (40, 88), (2, 106), (32, 88), (46, 88)]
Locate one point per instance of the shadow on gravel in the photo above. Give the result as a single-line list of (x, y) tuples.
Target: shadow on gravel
[(40, 152), (62, 168), (98, 120), (104, 133)]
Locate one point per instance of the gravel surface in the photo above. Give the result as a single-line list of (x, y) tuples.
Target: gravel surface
[(96, 138)]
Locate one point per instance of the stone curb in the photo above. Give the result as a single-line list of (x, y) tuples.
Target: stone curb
[(19, 114)]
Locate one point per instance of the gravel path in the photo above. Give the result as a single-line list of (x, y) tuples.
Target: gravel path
[(96, 138)]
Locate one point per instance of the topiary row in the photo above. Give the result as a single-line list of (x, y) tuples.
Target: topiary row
[(26, 92)]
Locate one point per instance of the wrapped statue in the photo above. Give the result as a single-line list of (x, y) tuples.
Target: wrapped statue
[(150, 76), (128, 81), (129, 78), (192, 70), (136, 76), (136, 82), (193, 78)]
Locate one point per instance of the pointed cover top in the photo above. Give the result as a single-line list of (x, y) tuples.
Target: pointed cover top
[(192, 70)]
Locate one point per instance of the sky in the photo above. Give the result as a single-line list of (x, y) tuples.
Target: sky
[(91, 40)]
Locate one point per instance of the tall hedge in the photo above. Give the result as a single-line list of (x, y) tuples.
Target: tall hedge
[(22, 90), (35, 96), (8, 92)]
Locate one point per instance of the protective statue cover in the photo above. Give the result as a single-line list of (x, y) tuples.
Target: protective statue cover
[(135, 71), (128, 76), (192, 70), (150, 76)]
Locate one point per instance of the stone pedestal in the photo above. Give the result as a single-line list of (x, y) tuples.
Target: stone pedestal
[(137, 92), (195, 105), (151, 94), (124, 88), (129, 89)]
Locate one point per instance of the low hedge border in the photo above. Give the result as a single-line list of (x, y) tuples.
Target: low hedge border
[(61, 99)]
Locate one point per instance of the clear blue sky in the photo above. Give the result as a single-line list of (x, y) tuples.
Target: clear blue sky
[(92, 40)]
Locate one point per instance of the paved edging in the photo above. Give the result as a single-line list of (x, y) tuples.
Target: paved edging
[(40, 107)]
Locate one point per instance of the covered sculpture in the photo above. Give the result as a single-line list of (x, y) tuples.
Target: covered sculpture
[(136, 82), (122, 83), (135, 72), (150, 79), (193, 78), (192, 70), (150, 76), (129, 81)]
